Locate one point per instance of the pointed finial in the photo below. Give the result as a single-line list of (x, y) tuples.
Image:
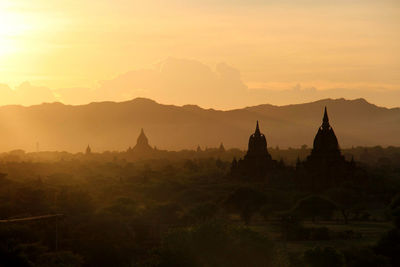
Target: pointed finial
[(326, 115), (325, 120), (257, 128)]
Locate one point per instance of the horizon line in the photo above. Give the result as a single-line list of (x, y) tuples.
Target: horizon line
[(196, 105)]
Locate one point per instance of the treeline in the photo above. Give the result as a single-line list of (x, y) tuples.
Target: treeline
[(382, 156)]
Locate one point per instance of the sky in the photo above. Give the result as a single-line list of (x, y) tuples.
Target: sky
[(217, 54)]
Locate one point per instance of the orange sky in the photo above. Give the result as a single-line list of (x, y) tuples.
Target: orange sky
[(184, 51)]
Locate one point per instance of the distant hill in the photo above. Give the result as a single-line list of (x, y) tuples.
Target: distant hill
[(115, 126)]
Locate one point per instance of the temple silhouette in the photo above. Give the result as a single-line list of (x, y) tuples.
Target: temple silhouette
[(326, 145), (257, 162), (142, 146), (325, 167), (88, 150)]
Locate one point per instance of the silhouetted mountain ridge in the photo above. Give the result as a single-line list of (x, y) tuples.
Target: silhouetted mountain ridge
[(116, 125)]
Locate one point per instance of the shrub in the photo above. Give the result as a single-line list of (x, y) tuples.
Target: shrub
[(327, 257), (313, 207), (364, 257), (215, 244), (320, 233)]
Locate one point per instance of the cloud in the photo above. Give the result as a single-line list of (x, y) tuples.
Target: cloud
[(175, 81), (299, 94), (180, 81), (183, 81), (25, 94), (6, 94), (75, 95)]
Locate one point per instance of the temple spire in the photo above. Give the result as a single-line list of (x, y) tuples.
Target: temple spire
[(142, 143), (257, 129), (325, 120), (142, 139), (88, 150)]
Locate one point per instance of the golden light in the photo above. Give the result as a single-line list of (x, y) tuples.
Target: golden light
[(12, 26)]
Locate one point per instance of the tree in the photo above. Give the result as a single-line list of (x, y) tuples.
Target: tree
[(246, 201), (394, 209), (61, 258), (74, 202), (191, 166), (215, 244), (327, 257), (123, 206), (389, 246), (313, 207), (364, 257), (345, 199), (169, 213), (202, 213), (32, 200)]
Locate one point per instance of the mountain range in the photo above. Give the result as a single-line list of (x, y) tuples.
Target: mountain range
[(116, 125)]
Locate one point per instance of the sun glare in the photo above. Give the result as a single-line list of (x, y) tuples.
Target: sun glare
[(12, 27)]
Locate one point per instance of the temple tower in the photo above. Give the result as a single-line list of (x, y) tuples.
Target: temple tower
[(88, 150), (142, 144), (257, 147), (325, 144), (257, 161), (325, 167)]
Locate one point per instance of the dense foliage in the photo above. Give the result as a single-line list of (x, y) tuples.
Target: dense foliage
[(188, 211)]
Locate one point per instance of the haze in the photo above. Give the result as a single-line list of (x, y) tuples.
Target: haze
[(220, 54)]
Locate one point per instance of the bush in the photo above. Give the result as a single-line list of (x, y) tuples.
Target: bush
[(389, 246), (123, 206), (215, 244), (292, 229), (364, 257), (61, 259), (327, 257), (314, 207), (348, 235), (395, 210), (246, 201), (201, 213), (320, 233)]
